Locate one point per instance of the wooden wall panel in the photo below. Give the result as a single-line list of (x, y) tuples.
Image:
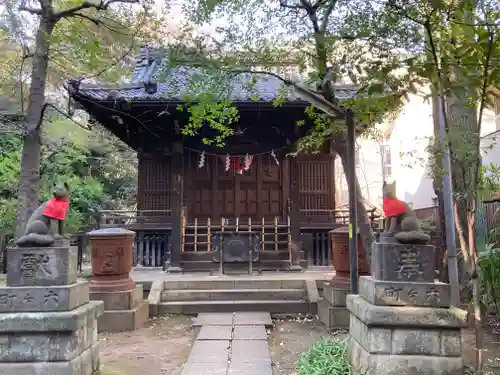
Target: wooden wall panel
[(262, 192), (315, 187), (153, 188), (197, 187), (273, 203), (214, 192)]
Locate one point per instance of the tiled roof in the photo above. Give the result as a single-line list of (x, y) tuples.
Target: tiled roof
[(153, 79)]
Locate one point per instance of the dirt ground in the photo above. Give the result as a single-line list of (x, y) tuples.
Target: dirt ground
[(163, 346), (491, 343), (290, 338), (159, 349)]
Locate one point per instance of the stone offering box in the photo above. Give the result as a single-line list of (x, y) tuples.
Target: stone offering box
[(49, 325), (401, 322), (111, 259), (339, 240), (124, 306)]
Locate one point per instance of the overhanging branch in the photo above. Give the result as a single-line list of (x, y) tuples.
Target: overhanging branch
[(102, 5)]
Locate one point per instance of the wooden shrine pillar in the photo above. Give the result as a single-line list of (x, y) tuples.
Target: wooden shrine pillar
[(295, 244), (174, 263)]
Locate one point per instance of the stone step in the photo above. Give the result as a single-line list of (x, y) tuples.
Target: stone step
[(233, 294), (333, 317), (240, 283), (272, 306), (334, 295)]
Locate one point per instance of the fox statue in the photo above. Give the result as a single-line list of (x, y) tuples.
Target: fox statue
[(45, 225), (400, 220)]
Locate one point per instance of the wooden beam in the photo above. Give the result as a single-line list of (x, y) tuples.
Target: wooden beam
[(294, 246), (177, 203)]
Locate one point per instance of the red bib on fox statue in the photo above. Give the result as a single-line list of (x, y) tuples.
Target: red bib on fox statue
[(56, 208), (393, 207)]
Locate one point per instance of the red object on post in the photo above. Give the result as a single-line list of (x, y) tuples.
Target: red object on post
[(393, 207), (56, 208)]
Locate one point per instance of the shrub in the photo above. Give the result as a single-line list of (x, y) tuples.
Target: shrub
[(325, 357)]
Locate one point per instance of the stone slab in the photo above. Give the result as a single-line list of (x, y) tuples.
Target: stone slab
[(213, 351), (43, 298), (253, 318), (250, 333), (218, 319), (332, 317), (196, 368), (125, 300), (414, 341), (87, 363), (401, 293), (235, 284), (245, 368), (124, 320), (406, 316), (312, 291), (384, 364), (215, 333), (250, 351), (372, 339), (154, 297), (334, 295), (39, 266), (60, 321), (47, 347), (391, 262)]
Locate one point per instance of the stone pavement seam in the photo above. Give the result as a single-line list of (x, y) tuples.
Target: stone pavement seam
[(214, 356)]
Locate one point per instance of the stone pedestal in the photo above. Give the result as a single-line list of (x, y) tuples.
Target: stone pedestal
[(332, 311), (123, 310), (49, 326), (401, 322), (124, 306)]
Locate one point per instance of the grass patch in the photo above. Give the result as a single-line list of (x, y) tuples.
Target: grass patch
[(325, 357)]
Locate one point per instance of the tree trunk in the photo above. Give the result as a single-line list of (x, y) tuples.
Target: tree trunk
[(29, 179), (363, 221)]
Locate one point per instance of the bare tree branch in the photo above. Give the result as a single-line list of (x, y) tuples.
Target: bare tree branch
[(34, 11), (326, 16), (486, 79), (284, 4), (46, 8), (102, 5)]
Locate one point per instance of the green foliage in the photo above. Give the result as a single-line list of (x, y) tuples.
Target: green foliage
[(97, 172), (313, 44), (217, 114), (325, 357), (489, 181), (428, 225), (489, 263)]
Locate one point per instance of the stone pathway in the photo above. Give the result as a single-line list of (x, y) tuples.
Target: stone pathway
[(230, 344)]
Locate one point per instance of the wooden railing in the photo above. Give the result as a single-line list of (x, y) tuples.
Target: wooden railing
[(153, 232), (335, 216), (133, 218), (197, 235)]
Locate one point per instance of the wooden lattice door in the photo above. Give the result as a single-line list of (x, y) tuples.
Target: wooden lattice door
[(317, 188)]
